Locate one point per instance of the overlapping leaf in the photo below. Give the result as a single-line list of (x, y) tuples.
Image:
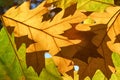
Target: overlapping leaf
[(63, 64), (97, 36), (97, 76), (116, 59), (94, 48), (112, 29), (88, 5), (50, 72), (94, 5), (45, 34), (114, 33), (90, 56), (114, 76), (12, 62)]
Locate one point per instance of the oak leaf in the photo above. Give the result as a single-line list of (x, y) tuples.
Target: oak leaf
[(111, 21), (40, 35), (87, 56), (46, 35), (94, 51)]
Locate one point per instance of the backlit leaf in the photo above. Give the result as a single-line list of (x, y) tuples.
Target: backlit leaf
[(88, 5), (116, 59), (9, 64), (62, 3), (50, 71), (49, 38), (114, 32), (71, 37), (101, 41), (99, 76), (87, 78), (114, 77), (12, 62), (63, 64), (66, 77), (94, 5)]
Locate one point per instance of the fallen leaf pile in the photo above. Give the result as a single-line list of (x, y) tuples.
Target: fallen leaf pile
[(72, 37)]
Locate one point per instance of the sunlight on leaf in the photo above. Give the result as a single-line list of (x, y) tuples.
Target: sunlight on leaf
[(63, 64), (10, 67), (116, 61), (112, 69), (92, 35), (114, 77), (105, 37), (88, 5), (94, 5), (62, 3), (50, 37), (114, 33), (12, 62), (50, 71), (104, 17), (87, 78), (99, 76)]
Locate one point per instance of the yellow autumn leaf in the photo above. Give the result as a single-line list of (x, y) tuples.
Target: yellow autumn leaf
[(97, 18), (104, 17), (47, 34), (114, 32), (100, 39), (108, 21)]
